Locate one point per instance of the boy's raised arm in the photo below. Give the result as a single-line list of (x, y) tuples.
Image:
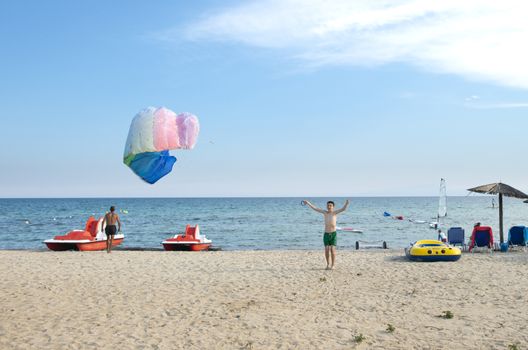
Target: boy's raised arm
[(314, 207), (345, 207)]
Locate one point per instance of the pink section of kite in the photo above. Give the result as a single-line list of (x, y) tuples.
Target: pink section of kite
[(173, 131), (188, 129)]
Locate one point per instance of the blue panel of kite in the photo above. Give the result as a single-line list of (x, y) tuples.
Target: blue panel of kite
[(152, 166)]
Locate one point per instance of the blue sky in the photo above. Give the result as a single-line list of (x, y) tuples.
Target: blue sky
[(295, 98)]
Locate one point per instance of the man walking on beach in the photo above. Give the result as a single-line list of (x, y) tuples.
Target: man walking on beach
[(330, 234), (110, 219)]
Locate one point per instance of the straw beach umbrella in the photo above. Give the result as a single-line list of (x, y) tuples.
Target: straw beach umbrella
[(502, 190)]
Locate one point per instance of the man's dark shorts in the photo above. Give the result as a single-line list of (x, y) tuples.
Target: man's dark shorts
[(110, 230)]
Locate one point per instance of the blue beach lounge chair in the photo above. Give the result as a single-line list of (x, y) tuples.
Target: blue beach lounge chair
[(482, 237), (518, 236), (455, 235)]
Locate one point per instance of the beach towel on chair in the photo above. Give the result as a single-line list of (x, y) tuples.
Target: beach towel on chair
[(482, 236)]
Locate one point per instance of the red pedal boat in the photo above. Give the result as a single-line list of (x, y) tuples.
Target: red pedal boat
[(191, 240), (89, 239)]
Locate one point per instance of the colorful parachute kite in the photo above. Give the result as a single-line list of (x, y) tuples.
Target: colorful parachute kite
[(153, 132)]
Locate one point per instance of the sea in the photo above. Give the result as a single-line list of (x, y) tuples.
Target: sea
[(252, 223)]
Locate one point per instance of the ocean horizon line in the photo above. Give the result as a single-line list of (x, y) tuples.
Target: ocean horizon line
[(244, 197)]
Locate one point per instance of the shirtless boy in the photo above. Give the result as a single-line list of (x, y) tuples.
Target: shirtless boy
[(111, 219), (330, 235)]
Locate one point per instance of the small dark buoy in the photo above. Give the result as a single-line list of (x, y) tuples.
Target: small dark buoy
[(357, 245)]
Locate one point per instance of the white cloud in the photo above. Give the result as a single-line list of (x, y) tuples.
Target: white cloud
[(499, 105), (478, 39), (472, 98)]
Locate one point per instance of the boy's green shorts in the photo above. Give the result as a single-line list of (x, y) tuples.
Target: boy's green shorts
[(330, 238)]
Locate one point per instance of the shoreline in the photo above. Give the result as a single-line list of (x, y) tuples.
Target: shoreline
[(397, 250), (260, 300)]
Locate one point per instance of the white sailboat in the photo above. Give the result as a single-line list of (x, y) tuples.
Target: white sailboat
[(442, 206)]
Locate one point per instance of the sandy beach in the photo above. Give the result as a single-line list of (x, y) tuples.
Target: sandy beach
[(260, 300)]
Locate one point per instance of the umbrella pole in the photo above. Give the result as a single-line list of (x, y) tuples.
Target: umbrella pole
[(500, 218)]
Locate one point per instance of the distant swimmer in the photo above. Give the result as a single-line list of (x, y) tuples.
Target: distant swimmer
[(111, 219), (330, 234)]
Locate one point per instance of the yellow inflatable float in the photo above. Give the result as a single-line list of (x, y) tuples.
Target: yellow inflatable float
[(431, 250)]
